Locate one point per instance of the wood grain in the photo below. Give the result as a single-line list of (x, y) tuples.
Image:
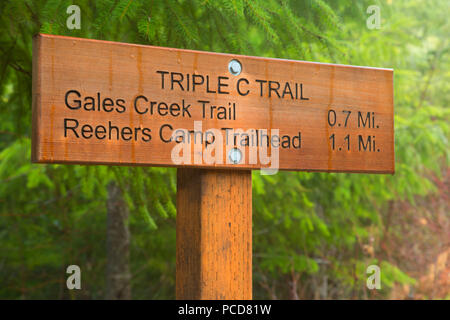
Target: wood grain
[(120, 71), (214, 234)]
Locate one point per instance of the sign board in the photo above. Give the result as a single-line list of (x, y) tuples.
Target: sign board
[(101, 102)]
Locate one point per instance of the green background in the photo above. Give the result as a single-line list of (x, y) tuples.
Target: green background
[(314, 234)]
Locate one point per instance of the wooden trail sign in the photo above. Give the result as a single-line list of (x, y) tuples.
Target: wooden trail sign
[(101, 102)]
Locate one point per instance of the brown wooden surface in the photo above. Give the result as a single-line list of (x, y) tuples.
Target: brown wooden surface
[(125, 71), (214, 234)]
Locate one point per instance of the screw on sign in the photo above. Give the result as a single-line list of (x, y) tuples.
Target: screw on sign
[(235, 155), (215, 117), (235, 67)]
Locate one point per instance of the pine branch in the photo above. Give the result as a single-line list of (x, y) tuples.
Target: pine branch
[(15, 65)]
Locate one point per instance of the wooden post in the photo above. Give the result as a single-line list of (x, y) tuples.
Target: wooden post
[(214, 234)]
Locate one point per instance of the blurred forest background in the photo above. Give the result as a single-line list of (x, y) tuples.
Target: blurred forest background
[(314, 233)]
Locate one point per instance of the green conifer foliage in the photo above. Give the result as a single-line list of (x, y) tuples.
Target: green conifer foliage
[(311, 230)]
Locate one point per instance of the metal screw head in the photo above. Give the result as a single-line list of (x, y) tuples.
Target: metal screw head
[(235, 67), (235, 155)]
